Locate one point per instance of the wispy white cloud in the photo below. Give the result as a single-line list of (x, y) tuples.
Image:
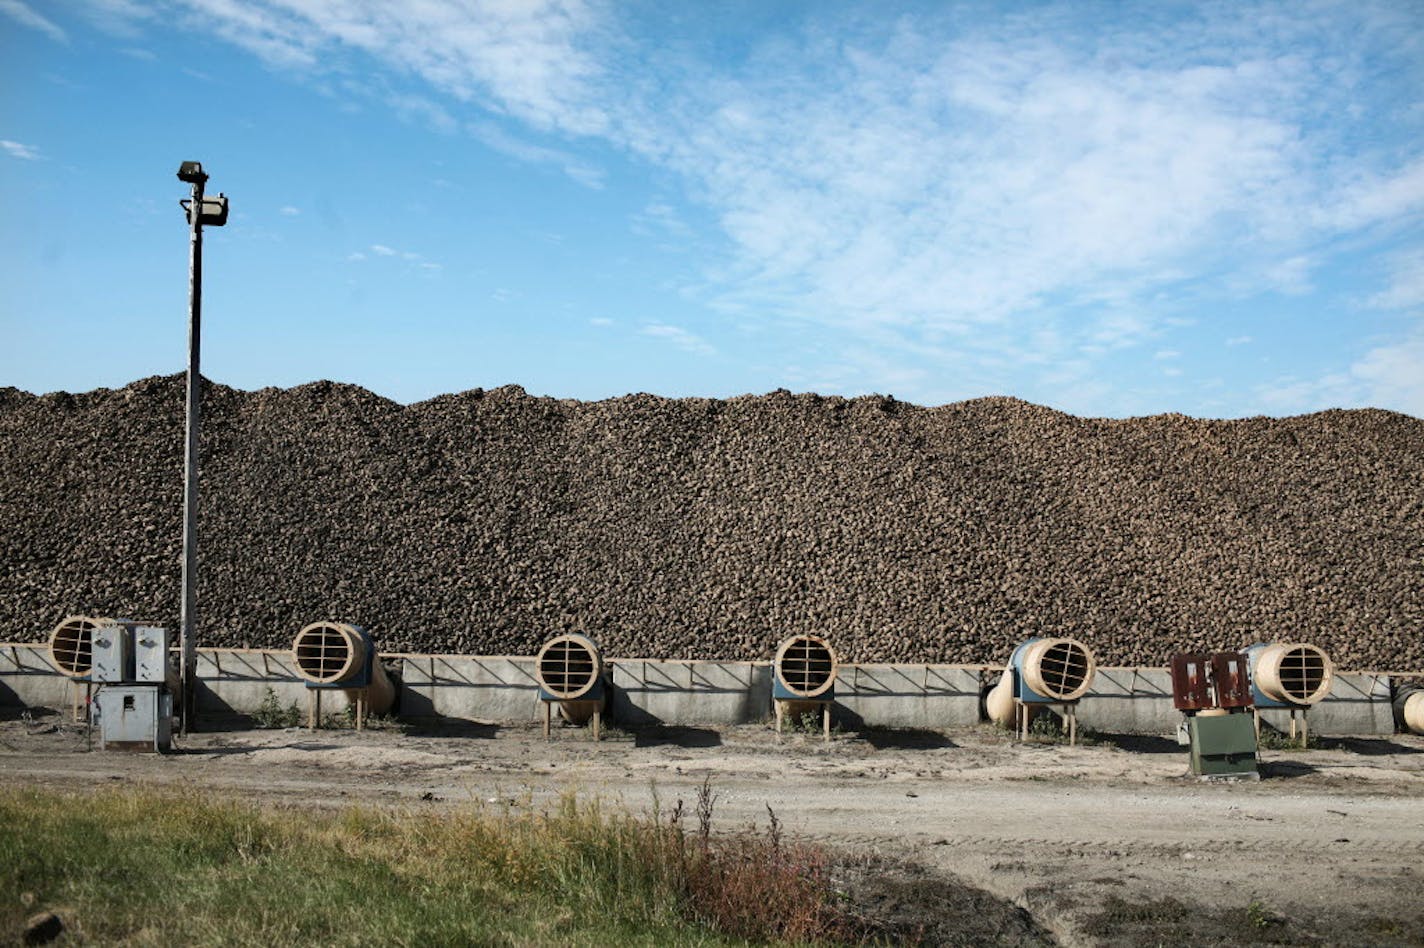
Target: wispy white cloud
[(289, 211), (1406, 282), (1046, 185), (419, 108), (681, 338), (1291, 276), (17, 150), (505, 143), (414, 262), (526, 59), (600, 321), (1390, 375), (23, 14), (662, 219)]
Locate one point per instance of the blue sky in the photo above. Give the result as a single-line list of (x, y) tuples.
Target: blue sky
[(1116, 210)]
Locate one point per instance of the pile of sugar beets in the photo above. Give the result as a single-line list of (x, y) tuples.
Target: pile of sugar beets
[(486, 521)]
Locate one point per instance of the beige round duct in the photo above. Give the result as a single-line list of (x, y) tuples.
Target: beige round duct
[(1409, 708), (567, 668), (806, 665), (1293, 673), (1057, 669), (71, 645), (334, 653), (999, 703)]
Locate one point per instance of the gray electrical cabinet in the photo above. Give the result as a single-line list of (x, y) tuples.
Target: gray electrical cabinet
[(135, 718), (112, 654), (133, 705), (151, 654)]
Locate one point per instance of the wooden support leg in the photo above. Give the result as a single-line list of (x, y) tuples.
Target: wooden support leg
[(548, 717), (826, 721), (361, 709), (1304, 731), (597, 724), (1071, 713), (780, 712), (1292, 734)]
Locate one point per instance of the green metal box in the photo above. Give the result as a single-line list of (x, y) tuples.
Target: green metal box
[(1222, 745)]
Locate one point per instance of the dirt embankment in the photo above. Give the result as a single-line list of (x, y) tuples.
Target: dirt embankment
[(693, 528)]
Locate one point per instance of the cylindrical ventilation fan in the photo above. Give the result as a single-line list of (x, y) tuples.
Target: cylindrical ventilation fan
[(1289, 675), (71, 645), (343, 656), (806, 667), (570, 670), (1053, 670), (1041, 671)]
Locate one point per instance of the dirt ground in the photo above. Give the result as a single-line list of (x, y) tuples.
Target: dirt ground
[(1110, 843)]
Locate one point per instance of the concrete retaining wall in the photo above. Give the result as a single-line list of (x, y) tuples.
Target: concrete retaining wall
[(503, 689), (908, 696)]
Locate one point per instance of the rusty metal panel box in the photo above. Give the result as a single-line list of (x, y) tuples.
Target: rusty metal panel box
[(1231, 680), (1191, 690), (150, 654)]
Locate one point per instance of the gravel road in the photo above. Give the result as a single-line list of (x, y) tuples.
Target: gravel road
[(1329, 846)]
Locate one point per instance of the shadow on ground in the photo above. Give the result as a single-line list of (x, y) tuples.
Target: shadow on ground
[(909, 738), (662, 735)]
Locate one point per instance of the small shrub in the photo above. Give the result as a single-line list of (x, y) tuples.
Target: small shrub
[(1272, 739), (271, 715), (1047, 727), (1259, 917)]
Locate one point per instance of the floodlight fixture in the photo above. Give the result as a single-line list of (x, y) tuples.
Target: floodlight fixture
[(192, 172), (214, 210)]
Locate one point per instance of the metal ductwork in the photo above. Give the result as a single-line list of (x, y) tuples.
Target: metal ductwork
[(803, 680), (71, 645), (1289, 675), (806, 667), (341, 656), (1042, 671), (1409, 708), (570, 672)]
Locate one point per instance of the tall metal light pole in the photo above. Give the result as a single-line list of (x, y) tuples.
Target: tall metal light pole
[(200, 211)]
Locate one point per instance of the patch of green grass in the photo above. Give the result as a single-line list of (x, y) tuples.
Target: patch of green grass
[(1047, 727), (1272, 739), (1258, 916), (143, 867)]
